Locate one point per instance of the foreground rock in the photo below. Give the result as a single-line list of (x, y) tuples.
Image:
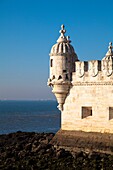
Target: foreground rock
[(33, 151)]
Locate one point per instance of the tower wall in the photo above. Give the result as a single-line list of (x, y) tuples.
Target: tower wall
[(60, 67)]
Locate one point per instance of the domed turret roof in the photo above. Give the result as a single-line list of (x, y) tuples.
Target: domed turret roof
[(109, 53), (63, 45)]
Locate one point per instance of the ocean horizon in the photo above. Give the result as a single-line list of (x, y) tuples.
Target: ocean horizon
[(29, 116)]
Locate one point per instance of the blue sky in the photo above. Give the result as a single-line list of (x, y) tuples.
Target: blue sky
[(29, 28)]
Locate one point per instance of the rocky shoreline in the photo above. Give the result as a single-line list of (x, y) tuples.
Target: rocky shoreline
[(35, 151)]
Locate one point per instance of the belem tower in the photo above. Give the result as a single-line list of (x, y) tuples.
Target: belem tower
[(83, 89)]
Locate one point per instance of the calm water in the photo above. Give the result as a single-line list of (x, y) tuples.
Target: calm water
[(37, 116)]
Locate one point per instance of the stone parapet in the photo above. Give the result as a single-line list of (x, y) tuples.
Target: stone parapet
[(95, 71)]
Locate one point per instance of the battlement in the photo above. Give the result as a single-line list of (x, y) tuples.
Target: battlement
[(94, 70)]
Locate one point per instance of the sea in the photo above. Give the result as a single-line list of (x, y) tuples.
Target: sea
[(29, 116)]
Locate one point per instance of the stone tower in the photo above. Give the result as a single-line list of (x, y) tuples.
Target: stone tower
[(84, 89), (62, 64)]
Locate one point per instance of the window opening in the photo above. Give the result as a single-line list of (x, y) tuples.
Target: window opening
[(86, 111), (66, 76), (51, 63), (60, 77), (110, 113), (53, 77), (64, 71)]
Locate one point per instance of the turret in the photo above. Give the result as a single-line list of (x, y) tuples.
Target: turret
[(62, 64), (109, 54)]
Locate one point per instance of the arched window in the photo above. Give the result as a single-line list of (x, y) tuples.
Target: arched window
[(51, 62)]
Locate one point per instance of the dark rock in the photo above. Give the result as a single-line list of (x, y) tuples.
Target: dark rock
[(28, 146), (33, 151)]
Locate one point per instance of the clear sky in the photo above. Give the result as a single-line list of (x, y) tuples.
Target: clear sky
[(29, 28)]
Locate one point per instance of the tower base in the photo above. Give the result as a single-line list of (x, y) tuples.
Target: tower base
[(76, 141)]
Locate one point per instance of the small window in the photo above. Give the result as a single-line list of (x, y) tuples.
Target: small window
[(51, 63), (66, 76), (64, 71), (60, 77), (86, 111), (110, 113), (53, 77)]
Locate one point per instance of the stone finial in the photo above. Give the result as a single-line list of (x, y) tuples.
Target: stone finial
[(62, 31), (62, 37), (68, 39), (110, 52), (110, 46)]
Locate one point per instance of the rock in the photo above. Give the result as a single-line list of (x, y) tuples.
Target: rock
[(46, 141), (25, 150), (28, 146)]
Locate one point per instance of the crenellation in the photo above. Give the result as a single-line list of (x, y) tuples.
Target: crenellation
[(94, 67), (107, 67), (93, 71), (80, 68)]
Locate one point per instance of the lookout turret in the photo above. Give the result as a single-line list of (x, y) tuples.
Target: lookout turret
[(109, 54), (62, 64)]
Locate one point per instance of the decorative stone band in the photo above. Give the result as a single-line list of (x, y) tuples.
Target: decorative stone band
[(91, 83), (62, 83), (58, 82), (62, 54)]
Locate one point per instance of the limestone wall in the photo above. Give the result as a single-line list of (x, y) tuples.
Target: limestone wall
[(96, 97), (62, 66), (89, 104)]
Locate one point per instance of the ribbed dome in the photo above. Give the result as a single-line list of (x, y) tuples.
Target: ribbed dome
[(61, 48), (63, 45)]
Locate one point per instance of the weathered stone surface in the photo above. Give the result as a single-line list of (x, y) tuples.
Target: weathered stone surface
[(76, 141), (96, 96)]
